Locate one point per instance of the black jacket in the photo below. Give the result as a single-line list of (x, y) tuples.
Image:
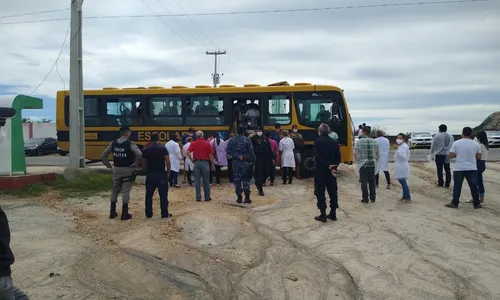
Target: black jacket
[(6, 255), (326, 153)]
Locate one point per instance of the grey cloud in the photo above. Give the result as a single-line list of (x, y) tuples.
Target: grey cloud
[(385, 58)]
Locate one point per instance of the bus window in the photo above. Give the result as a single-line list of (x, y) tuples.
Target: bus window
[(123, 111), (279, 110), (165, 111), (91, 110), (318, 110), (205, 110)]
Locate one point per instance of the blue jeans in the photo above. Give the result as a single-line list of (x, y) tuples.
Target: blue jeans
[(202, 169), (406, 189), (173, 178), (156, 181), (9, 292), (440, 165), (458, 178), (481, 167)]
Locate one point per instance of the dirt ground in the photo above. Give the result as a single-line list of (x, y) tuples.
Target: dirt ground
[(69, 249)]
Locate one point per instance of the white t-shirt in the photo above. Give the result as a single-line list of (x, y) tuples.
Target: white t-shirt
[(484, 152), (466, 150)]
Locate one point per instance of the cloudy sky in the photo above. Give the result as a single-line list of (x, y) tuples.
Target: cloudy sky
[(403, 68)]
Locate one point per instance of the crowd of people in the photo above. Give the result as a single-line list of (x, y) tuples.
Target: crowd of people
[(247, 154), (257, 154), (470, 156)]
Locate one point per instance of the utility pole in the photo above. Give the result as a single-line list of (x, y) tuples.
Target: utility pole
[(77, 120), (215, 75)]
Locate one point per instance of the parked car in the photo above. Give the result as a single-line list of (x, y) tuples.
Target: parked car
[(493, 137), (420, 139), (40, 146)]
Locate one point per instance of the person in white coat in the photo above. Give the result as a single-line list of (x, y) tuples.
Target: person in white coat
[(384, 147), (286, 147), (402, 165), (174, 151), (188, 165)]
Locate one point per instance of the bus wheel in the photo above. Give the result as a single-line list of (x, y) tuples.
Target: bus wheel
[(308, 165)]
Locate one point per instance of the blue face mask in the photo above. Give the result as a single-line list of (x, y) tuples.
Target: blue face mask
[(332, 135)]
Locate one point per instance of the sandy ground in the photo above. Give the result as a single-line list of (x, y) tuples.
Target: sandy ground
[(69, 249)]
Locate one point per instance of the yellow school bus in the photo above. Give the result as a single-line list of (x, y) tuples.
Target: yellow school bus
[(213, 110)]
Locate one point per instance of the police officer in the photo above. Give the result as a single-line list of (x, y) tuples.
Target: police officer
[(7, 290), (126, 156), (264, 156), (240, 150)]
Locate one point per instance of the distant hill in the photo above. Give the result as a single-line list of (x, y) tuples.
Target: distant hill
[(491, 122)]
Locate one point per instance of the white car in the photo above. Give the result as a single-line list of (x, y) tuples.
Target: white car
[(420, 139), (493, 137)]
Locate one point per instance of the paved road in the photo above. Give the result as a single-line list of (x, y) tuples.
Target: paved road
[(56, 160)]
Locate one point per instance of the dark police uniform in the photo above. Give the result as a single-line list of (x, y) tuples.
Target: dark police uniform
[(264, 156), (156, 178), (125, 154), (7, 289), (241, 145), (326, 153)]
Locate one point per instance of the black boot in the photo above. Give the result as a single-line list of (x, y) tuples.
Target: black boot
[(261, 190), (247, 198), (112, 211), (321, 217), (125, 214), (240, 199), (333, 215)]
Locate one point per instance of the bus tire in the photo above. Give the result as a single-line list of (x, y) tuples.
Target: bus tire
[(307, 163)]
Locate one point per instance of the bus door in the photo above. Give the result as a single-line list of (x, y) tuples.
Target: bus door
[(248, 111)]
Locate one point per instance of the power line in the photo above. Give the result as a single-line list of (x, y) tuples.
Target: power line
[(165, 23), (58, 57), (261, 11), (34, 13), (168, 11), (57, 61), (191, 20)]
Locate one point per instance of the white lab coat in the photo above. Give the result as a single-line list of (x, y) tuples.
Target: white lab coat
[(401, 162), (287, 157), (384, 146), (174, 152), (188, 165)]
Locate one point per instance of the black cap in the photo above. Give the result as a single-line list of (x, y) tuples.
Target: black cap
[(124, 128), (7, 112)]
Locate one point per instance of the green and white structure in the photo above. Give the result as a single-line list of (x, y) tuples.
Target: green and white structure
[(13, 161)]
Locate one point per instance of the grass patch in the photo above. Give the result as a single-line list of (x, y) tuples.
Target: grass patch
[(86, 185), (34, 190)]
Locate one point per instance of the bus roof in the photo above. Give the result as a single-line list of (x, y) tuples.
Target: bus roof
[(224, 88)]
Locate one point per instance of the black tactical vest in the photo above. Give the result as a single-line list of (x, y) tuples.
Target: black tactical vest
[(122, 154)]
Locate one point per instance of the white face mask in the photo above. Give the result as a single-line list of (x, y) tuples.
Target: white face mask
[(295, 130), (399, 141), (249, 123), (259, 133)]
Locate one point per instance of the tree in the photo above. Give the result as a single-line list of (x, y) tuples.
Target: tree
[(29, 120), (376, 128)]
